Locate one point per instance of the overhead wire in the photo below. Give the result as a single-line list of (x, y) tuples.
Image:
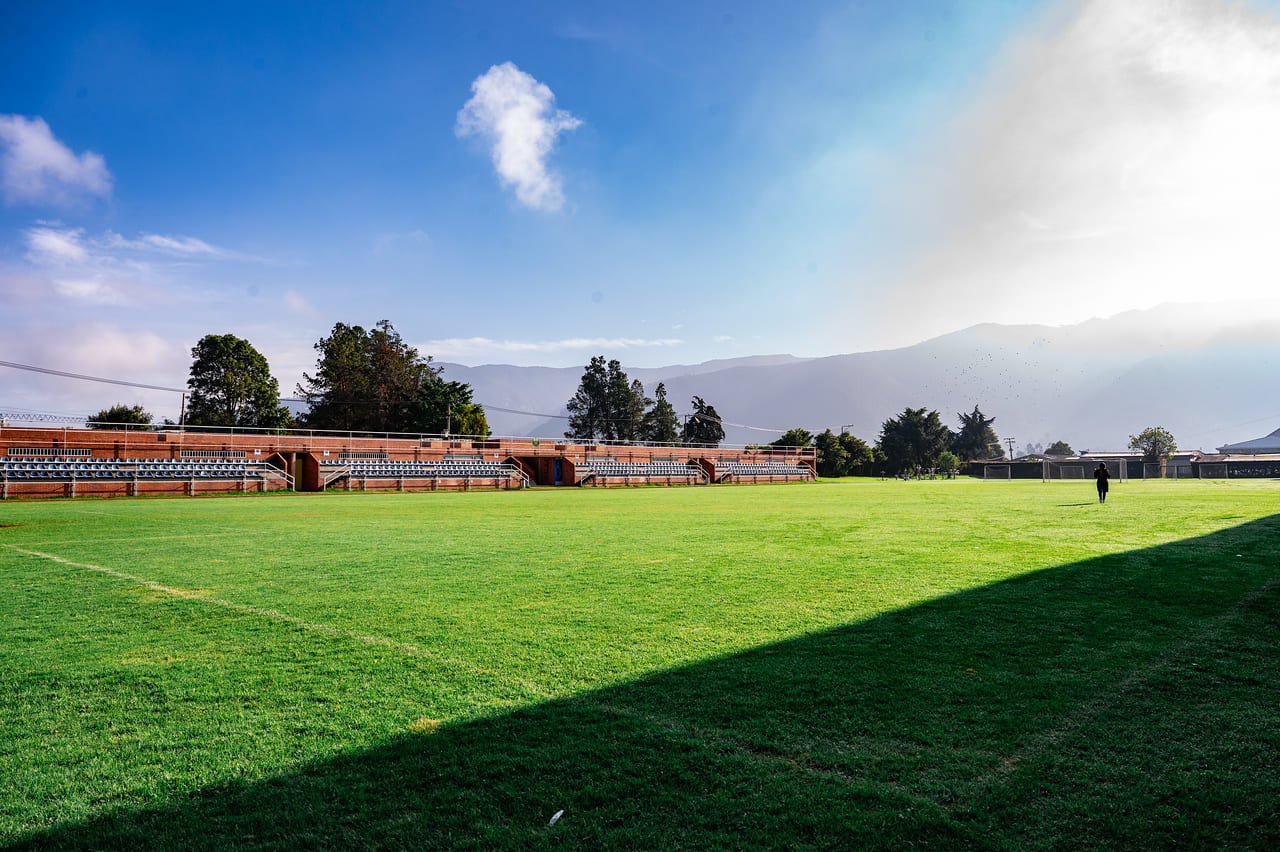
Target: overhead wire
[(123, 383)]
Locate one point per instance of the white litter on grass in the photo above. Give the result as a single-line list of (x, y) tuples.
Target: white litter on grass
[(555, 817)]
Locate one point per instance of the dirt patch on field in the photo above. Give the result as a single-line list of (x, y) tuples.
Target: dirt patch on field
[(10, 526)]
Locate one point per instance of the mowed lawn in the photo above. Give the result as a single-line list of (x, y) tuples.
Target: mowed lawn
[(953, 663)]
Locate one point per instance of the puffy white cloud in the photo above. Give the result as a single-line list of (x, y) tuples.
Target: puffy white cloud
[(1118, 156), (36, 167), (516, 115)]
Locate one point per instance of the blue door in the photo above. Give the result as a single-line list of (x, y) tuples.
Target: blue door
[(559, 474)]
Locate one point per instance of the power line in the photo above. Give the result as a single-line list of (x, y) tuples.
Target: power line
[(123, 383), (49, 372)]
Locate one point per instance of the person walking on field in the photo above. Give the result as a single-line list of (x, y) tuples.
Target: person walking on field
[(1103, 476)]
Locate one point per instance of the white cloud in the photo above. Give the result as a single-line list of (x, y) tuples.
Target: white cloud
[(516, 114), (463, 346), (51, 245), (94, 291), (108, 269), (35, 167), (173, 246), (51, 242), (98, 349), (1119, 156)]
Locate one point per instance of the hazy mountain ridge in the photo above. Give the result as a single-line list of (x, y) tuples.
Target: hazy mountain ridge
[(1210, 379)]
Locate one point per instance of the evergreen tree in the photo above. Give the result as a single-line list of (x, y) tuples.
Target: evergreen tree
[(589, 406), (859, 454), (231, 385), (120, 416), (1059, 448), (370, 380), (703, 425), (659, 423), (914, 439), (976, 439), (832, 458), (794, 438)]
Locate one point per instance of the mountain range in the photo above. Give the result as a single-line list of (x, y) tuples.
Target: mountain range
[(1209, 374)]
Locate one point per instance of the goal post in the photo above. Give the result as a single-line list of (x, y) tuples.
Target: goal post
[(997, 471), (1063, 470), (1081, 469)]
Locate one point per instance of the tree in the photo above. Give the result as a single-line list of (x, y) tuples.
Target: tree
[(1059, 448), (948, 461), (627, 404), (372, 381), (832, 458), (659, 423), (794, 438), (607, 405), (976, 439), (913, 439), (859, 454), (231, 385), (703, 425), (1032, 449), (1155, 443), (589, 406), (450, 403), (120, 416)]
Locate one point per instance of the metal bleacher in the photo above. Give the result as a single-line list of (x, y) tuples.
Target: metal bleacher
[(383, 468), (655, 470), (731, 471), (56, 468)]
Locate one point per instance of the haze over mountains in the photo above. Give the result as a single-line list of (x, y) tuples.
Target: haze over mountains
[(1208, 373)]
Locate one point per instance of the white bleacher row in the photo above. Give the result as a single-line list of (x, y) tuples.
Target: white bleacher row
[(58, 468), (407, 469), (639, 469), (764, 469)]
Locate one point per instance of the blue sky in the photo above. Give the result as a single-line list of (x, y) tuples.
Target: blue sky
[(686, 181)]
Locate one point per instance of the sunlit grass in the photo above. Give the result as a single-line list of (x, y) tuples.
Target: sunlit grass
[(270, 656)]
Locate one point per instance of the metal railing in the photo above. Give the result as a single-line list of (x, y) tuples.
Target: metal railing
[(352, 434)]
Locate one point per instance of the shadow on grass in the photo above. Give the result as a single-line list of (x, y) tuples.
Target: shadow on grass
[(1126, 700)]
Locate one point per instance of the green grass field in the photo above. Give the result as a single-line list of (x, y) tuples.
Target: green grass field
[(967, 663)]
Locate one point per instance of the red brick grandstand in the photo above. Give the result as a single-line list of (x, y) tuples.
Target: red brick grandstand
[(37, 462)]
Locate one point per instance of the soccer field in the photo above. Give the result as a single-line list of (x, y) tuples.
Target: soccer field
[(837, 664)]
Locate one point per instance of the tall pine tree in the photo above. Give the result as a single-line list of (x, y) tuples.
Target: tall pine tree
[(660, 424), (976, 440)]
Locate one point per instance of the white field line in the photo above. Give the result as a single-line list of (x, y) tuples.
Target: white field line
[(1087, 711), (406, 648)]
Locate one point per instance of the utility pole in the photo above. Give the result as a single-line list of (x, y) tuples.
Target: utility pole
[(1010, 442)]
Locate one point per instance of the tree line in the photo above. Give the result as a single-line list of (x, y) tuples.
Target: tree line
[(365, 380), (610, 407), (917, 439), (371, 380)]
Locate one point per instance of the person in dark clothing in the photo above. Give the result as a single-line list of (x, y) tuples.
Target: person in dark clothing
[(1103, 476)]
